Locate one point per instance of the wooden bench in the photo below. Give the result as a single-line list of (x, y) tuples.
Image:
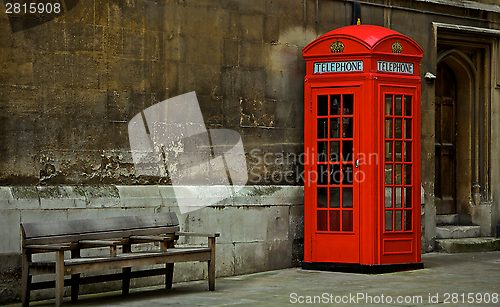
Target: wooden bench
[(73, 236)]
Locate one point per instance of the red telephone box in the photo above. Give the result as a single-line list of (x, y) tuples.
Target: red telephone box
[(362, 146)]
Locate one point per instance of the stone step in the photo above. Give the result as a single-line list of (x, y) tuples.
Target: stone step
[(447, 219), (466, 245), (457, 232)]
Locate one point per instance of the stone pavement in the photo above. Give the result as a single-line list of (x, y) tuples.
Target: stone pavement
[(458, 279)]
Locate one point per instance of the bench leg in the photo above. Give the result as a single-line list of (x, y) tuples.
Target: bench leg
[(169, 276), (126, 280), (211, 265), (26, 279), (59, 278), (75, 278), (127, 248)]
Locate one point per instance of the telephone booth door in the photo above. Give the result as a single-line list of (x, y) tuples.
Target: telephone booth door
[(399, 244), (335, 236)]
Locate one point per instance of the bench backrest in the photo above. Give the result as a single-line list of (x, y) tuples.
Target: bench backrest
[(96, 229)]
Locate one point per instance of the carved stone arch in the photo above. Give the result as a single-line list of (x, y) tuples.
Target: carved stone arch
[(465, 78)]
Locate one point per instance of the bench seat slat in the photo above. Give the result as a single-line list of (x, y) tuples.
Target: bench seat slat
[(136, 255), (133, 261), (101, 235), (116, 224), (90, 264), (119, 257)]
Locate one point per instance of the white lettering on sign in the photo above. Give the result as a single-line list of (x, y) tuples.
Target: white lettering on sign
[(344, 66), (403, 68)]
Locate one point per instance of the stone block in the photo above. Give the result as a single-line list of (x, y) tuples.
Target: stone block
[(279, 255), (253, 85), (233, 224), (482, 216), (243, 83), (204, 220), (25, 197), (247, 27), (82, 10), (129, 75), (295, 35), (263, 139), (173, 47), (254, 7), (17, 67), (139, 196), (6, 199), (253, 54), (284, 57), (163, 79), (18, 101), (79, 37), (58, 41), (294, 144), (290, 114), (230, 52), (204, 21), (457, 232), (63, 70), (232, 113), (134, 45), (173, 22), (296, 222), (155, 15), (260, 113), (118, 106), (100, 196), (269, 195), (270, 29), (204, 79), (127, 14), (250, 258), (224, 259), (6, 37), (186, 271), (248, 225), (39, 216), (212, 110), (231, 84), (60, 197), (88, 106), (284, 86), (10, 234), (168, 196), (112, 43), (89, 213), (203, 50), (43, 69), (36, 38), (278, 222)]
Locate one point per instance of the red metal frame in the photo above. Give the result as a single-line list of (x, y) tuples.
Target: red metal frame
[(367, 62)]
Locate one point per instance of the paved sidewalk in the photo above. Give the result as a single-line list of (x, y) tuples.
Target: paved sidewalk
[(446, 278)]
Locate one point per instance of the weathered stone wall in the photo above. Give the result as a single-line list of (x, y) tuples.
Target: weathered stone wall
[(69, 86)]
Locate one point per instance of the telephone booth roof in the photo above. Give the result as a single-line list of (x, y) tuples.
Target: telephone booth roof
[(361, 39)]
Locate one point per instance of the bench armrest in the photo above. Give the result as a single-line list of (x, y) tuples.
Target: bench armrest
[(98, 243), (196, 234), (50, 248), (148, 239)]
